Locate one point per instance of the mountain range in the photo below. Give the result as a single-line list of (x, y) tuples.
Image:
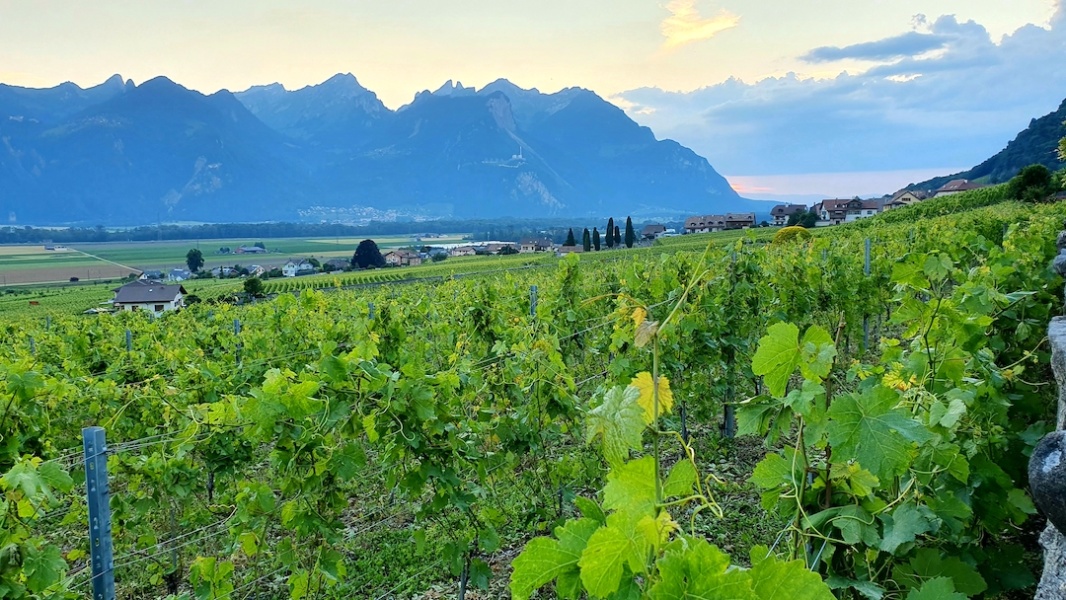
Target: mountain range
[(126, 154)]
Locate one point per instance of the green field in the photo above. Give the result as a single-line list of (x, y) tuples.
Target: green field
[(30, 264), (56, 296)]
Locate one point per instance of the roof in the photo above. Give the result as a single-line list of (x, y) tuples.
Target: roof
[(784, 210), (740, 217), (536, 242), (142, 291), (704, 220), (957, 185), (873, 204), (918, 194), (835, 203), (653, 229)]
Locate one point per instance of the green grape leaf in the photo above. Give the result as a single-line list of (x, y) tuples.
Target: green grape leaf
[(903, 526), (607, 553), (335, 369), (630, 488), (816, 353), (249, 544), (545, 559), (937, 267), (681, 480), (927, 563), (772, 472), (777, 356), (56, 478), (298, 585), (42, 567), (692, 569), (346, 462), (947, 415), (802, 399), (868, 589), (619, 420), (590, 510), (773, 579), (869, 428), (941, 588), (856, 525), (23, 477)]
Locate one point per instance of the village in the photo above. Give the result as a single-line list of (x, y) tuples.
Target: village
[(833, 211)]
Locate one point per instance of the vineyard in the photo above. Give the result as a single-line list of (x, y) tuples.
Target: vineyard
[(847, 416)]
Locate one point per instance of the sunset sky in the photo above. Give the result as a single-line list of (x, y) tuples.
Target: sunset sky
[(767, 90)]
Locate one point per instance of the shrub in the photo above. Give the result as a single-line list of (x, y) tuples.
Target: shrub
[(793, 233), (1032, 184)]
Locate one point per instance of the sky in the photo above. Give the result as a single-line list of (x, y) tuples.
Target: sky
[(819, 97)]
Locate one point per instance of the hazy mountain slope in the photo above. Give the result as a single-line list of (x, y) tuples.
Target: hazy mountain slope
[(124, 154), (1036, 144)]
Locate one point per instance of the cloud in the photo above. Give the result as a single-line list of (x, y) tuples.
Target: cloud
[(908, 44), (956, 104), (685, 24)]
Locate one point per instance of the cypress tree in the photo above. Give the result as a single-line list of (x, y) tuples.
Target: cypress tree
[(570, 238), (586, 240), (630, 236), (617, 237), (610, 228), (596, 239)]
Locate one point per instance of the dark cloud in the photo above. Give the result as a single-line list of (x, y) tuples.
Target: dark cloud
[(951, 108), (908, 44)]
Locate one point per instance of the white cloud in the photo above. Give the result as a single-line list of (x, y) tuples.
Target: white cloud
[(956, 105), (685, 24)]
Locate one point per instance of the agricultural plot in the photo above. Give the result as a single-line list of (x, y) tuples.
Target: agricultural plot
[(33, 264)]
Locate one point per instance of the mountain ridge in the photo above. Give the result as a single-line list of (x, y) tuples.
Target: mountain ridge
[(1036, 144), (120, 153)]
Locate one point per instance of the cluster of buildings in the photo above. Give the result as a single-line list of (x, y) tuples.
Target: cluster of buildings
[(833, 211), (714, 223)]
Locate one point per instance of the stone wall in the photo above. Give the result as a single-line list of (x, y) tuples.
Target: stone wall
[(1043, 468)]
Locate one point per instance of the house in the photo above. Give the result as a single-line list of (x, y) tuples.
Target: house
[(294, 268), (739, 220), (705, 223), (782, 212), (535, 245), (222, 272), (650, 232), (861, 209), (463, 251), (334, 264), (250, 250), (151, 296), (832, 211), (496, 247), (178, 275), (403, 258), (255, 270), (152, 275), (955, 186)]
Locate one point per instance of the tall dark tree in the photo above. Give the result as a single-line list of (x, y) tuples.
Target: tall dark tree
[(367, 255), (586, 240), (617, 237), (630, 236), (596, 239), (610, 230), (570, 241), (194, 259)]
